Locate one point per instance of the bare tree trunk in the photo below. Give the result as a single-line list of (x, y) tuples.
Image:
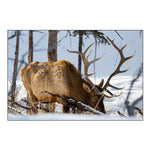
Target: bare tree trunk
[(15, 66), (95, 58), (30, 59), (30, 56), (80, 49), (52, 56), (52, 45)]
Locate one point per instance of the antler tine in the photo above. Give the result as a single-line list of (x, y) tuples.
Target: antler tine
[(111, 93), (127, 58), (88, 55), (123, 47), (112, 42), (73, 51), (117, 71), (114, 95), (96, 59), (88, 48), (116, 87), (92, 73), (120, 50)]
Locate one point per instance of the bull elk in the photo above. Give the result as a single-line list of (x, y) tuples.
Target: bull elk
[(61, 77)]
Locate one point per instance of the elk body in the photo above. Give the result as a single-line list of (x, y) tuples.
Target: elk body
[(59, 77), (63, 78)]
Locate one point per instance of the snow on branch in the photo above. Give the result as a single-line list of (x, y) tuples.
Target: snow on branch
[(16, 110), (74, 103), (17, 104)]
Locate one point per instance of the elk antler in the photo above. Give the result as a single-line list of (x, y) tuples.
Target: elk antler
[(117, 71), (87, 64)]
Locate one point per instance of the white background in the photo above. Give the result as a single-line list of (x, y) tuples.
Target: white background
[(76, 14)]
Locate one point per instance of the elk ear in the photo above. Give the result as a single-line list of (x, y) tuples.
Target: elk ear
[(101, 83)]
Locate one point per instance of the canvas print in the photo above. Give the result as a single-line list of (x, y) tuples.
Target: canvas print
[(75, 75)]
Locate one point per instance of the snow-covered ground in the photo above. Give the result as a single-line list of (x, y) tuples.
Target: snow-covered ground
[(62, 116), (112, 106)]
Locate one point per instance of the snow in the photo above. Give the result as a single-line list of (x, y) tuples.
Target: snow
[(112, 106), (62, 116)]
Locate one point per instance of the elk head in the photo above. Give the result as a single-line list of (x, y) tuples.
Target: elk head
[(99, 92)]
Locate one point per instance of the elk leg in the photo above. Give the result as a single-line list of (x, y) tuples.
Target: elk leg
[(66, 108), (33, 101)]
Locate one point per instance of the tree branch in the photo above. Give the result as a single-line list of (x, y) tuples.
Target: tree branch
[(119, 34), (73, 102), (12, 36), (15, 103), (130, 107), (15, 110)]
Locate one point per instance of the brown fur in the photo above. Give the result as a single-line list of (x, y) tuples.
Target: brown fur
[(60, 77)]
